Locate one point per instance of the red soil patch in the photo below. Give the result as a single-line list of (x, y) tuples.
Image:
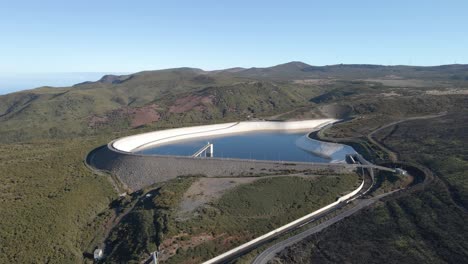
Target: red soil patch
[(144, 115), (137, 116)]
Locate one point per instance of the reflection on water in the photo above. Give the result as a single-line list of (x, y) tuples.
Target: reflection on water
[(260, 145)]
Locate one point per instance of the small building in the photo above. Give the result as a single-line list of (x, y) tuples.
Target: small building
[(98, 254), (400, 171)]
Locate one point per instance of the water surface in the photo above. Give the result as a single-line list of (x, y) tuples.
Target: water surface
[(260, 145)]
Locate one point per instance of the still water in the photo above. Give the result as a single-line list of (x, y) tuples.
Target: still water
[(260, 145)]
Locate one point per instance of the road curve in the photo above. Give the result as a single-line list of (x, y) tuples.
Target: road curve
[(392, 155), (270, 252)]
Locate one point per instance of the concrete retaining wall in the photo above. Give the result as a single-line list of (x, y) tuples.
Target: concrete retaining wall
[(351, 194), (145, 140), (137, 171)]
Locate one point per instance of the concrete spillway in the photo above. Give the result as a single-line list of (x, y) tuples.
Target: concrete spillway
[(335, 152)]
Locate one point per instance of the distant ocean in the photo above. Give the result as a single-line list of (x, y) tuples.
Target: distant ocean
[(13, 82)]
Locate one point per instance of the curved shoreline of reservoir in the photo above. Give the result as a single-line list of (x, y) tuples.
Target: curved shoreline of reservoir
[(132, 144)]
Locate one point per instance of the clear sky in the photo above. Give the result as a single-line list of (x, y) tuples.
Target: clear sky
[(129, 36)]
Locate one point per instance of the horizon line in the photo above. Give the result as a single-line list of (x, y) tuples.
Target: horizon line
[(220, 69)]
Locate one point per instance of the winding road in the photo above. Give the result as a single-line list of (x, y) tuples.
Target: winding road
[(360, 203), (392, 155)]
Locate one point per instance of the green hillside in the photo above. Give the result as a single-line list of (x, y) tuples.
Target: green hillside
[(165, 97)]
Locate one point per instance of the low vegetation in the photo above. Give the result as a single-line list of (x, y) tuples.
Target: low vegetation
[(144, 227), (242, 213), (425, 227), (442, 148), (50, 202)]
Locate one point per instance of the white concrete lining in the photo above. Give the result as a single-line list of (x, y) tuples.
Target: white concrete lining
[(137, 142), (336, 152)]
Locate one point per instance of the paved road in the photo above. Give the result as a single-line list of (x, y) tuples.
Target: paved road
[(270, 252), (392, 155)]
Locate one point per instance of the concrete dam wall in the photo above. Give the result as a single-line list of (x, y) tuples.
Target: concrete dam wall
[(137, 171)]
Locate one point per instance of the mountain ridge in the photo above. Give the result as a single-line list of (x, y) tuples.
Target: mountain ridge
[(289, 71), (192, 95)]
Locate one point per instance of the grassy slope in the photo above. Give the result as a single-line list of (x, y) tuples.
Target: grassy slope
[(48, 201)]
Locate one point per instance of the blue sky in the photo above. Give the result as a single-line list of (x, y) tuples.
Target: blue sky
[(130, 36), (11, 82)]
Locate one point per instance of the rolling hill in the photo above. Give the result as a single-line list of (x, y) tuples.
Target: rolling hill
[(116, 103)]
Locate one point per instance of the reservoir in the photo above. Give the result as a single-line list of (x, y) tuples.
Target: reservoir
[(259, 145)]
